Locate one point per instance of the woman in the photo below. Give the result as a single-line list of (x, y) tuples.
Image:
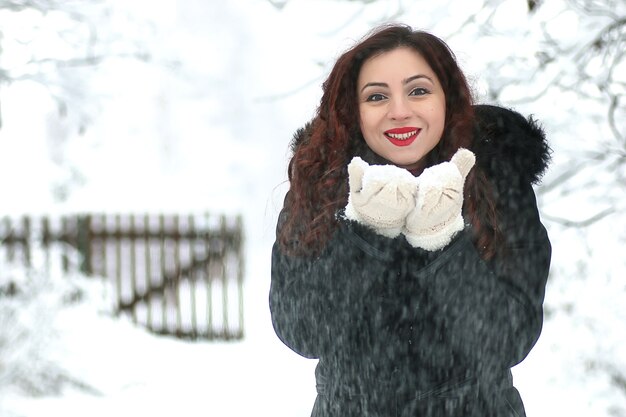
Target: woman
[(410, 258)]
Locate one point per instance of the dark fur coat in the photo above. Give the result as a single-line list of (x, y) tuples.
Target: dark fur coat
[(400, 331)]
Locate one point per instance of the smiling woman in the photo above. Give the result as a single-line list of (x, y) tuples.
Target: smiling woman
[(402, 106), (410, 258)]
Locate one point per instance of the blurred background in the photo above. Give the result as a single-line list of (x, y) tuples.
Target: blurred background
[(143, 152)]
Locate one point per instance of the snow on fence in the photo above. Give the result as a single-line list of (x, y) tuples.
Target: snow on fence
[(176, 275)]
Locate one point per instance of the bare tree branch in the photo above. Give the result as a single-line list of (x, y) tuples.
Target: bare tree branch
[(596, 8), (580, 223), (612, 121)]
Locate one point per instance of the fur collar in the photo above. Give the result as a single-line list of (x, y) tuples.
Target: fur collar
[(506, 143)]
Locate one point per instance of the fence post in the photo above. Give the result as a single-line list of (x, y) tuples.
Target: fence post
[(27, 240), (83, 242), (192, 273), (148, 271), (9, 239), (240, 270)]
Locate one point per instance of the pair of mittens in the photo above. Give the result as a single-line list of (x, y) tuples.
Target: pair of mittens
[(426, 209)]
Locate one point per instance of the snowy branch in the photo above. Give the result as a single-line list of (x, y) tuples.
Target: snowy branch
[(581, 223)]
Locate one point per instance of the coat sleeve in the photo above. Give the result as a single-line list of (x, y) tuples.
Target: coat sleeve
[(312, 300), (299, 302)]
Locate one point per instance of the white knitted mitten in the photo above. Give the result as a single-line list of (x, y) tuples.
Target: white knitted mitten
[(380, 196), (437, 216)]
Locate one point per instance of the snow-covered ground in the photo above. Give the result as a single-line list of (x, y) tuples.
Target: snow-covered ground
[(213, 134)]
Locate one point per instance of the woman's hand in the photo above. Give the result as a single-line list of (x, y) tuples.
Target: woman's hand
[(380, 196), (437, 213)]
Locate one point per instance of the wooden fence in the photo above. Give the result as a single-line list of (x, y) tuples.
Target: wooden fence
[(177, 275)]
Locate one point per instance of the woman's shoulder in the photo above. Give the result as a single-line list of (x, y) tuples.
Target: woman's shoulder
[(508, 144)]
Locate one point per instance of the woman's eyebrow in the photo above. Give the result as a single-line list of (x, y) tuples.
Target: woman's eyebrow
[(418, 76), (374, 85), (405, 81)]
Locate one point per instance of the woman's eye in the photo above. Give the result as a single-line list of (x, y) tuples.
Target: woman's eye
[(375, 97), (419, 91)]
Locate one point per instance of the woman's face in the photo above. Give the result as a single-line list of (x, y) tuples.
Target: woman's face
[(402, 106)]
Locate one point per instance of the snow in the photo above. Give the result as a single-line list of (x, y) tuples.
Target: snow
[(207, 128)]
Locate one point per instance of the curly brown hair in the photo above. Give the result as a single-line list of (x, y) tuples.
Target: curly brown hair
[(318, 169)]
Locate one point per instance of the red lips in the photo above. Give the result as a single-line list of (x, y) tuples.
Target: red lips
[(401, 130), (398, 136)]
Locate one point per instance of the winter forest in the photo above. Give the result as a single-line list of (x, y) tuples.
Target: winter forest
[(188, 106)]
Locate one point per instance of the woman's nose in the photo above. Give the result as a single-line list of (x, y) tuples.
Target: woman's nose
[(399, 109)]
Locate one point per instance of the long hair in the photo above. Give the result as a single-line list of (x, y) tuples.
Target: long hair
[(318, 169)]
